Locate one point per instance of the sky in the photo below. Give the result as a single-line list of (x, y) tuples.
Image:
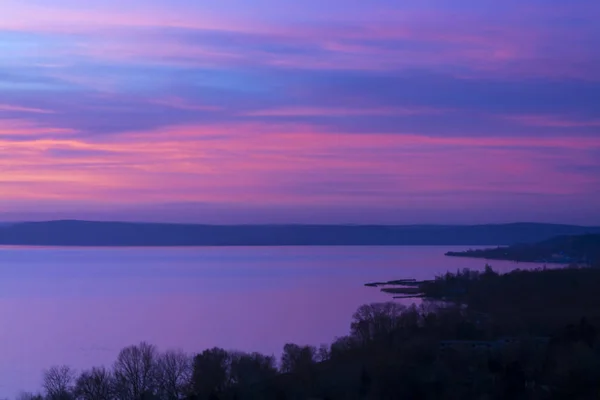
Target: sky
[(279, 111)]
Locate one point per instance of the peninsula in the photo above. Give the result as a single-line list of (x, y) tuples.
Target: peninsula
[(568, 249)]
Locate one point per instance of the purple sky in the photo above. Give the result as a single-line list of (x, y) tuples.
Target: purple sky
[(353, 111)]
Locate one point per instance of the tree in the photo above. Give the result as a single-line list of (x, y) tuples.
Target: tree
[(342, 346), (58, 383), (249, 369), (490, 273), (95, 384), (173, 374), (211, 373), (372, 321), (135, 372), (297, 358), (323, 353)]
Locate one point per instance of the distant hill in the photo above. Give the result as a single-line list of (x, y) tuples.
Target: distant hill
[(87, 233), (561, 249)]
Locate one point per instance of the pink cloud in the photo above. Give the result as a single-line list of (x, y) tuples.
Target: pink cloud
[(21, 127), (510, 46), (57, 18), (258, 164)]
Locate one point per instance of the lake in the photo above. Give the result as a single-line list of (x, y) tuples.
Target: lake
[(80, 306)]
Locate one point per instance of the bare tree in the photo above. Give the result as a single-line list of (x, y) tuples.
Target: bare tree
[(375, 320), (173, 374), (95, 384), (135, 371), (58, 382)]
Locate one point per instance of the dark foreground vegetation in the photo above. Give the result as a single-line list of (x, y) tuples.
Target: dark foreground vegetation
[(584, 249), (477, 335), (533, 302)]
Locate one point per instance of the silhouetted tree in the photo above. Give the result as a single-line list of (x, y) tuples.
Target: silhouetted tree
[(135, 372), (58, 383), (342, 346), (297, 358), (211, 373), (247, 369), (377, 320), (95, 384), (173, 375), (323, 353), (488, 272)]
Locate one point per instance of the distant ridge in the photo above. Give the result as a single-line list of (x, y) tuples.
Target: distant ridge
[(88, 233)]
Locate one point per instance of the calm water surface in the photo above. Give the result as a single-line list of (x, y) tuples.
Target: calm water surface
[(80, 306)]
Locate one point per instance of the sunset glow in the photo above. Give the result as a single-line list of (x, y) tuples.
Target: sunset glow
[(267, 111)]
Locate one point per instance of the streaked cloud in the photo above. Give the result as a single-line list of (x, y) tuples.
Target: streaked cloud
[(20, 109), (391, 108), (340, 112)]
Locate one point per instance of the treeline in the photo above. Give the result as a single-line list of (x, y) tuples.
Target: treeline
[(579, 249), (430, 351), (536, 302)]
